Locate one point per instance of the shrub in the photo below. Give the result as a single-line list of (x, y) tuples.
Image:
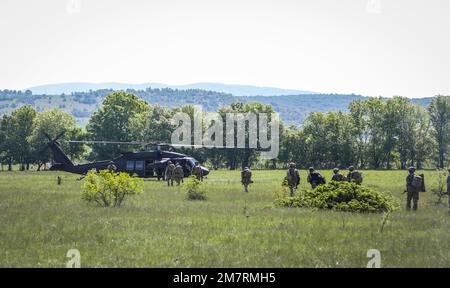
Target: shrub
[(110, 189), (341, 196), (194, 192), (440, 191)]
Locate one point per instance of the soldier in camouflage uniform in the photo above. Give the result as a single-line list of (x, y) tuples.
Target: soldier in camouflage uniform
[(246, 178), (160, 171), (179, 174), (292, 178), (111, 167), (315, 178), (198, 172), (412, 191), (354, 176), (170, 173), (338, 176)]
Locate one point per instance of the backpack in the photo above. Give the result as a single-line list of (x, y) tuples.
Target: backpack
[(246, 174), (357, 177), (322, 179), (179, 171), (171, 168), (197, 171), (317, 178), (338, 177), (418, 183)]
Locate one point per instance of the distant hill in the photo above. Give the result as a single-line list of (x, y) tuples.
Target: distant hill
[(235, 90), (293, 109)]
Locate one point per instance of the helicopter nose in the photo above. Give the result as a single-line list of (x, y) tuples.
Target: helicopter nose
[(205, 171)]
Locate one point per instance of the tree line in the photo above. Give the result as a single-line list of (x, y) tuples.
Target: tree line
[(375, 133)]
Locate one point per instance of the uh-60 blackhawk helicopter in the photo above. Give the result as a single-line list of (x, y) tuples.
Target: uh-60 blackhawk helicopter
[(145, 164)]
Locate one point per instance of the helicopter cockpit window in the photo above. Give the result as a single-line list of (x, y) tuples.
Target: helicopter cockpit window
[(130, 165), (193, 162), (139, 165)]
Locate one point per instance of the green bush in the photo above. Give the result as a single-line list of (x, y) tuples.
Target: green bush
[(194, 192), (343, 196), (110, 189)]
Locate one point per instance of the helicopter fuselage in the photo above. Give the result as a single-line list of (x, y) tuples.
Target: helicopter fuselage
[(145, 164)]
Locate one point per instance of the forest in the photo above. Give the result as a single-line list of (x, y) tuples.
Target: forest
[(293, 109), (371, 133)]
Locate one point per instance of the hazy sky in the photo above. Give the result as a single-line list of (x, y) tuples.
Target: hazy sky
[(370, 47)]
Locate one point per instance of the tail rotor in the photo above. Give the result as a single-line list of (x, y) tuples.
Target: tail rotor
[(52, 141), (60, 159)]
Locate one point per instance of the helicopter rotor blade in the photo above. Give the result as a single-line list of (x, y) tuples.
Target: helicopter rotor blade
[(145, 143), (196, 146), (106, 142), (46, 135), (60, 135), (190, 145)]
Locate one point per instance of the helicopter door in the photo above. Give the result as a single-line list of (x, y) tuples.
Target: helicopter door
[(130, 167), (139, 168), (136, 167)]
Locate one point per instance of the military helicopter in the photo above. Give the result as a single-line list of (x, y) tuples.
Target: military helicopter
[(145, 164)]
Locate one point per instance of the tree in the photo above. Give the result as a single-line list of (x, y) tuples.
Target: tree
[(22, 125), (294, 148), (359, 131), (235, 157), (5, 143), (122, 117), (16, 130), (76, 151), (375, 109), (195, 115), (423, 144), (439, 110), (316, 135), (158, 124), (395, 115), (344, 140), (54, 122), (329, 139)]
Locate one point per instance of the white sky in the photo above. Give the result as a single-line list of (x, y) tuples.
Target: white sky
[(395, 47)]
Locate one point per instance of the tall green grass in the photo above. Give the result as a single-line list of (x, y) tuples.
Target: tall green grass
[(40, 221)]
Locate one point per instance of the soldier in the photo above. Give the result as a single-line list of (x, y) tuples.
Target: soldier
[(315, 178), (414, 184), (189, 169), (170, 171), (198, 172), (292, 178), (159, 171), (179, 173), (354, 176), (338, 176), (111, 167), (246, 178)]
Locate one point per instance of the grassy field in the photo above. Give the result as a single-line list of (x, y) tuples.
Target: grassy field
[(40, 221)]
